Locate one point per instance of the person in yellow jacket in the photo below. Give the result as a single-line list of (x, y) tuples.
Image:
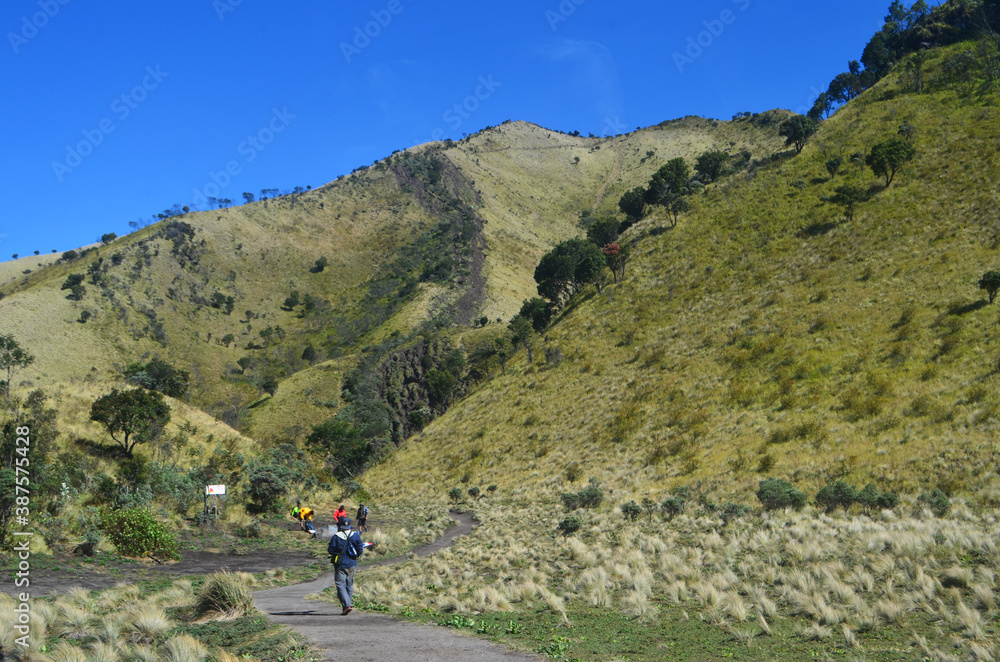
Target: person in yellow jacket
[(304, 515)]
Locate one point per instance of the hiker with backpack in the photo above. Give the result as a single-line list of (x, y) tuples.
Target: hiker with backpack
[(362, 518), (345, 548), (340, 512)]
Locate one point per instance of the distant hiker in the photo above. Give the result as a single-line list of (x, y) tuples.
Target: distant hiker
[(345, 548), (306, 514), (362, 518), (340, 512)]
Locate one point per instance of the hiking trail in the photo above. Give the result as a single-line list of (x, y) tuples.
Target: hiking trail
[(366, 636)]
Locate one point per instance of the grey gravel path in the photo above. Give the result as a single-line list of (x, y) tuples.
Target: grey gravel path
[(363, 636)]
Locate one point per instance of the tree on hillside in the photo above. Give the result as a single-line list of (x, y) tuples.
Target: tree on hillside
[(848, 196), (537, 311), (319, 266), (616, 257), (991, 283), (668, 186), (12, 358), (345, 449), (131, 417), (833, 166), (603, 231), (567, 268), (677, 205), (797, 130), (633, 203), (886, 159), (821, 107), (521, 332), (158, 375), (248, 197), (710, 164), (668, 182), (107, 238)]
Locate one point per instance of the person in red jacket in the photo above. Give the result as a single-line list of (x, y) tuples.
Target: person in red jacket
[(341, 512)]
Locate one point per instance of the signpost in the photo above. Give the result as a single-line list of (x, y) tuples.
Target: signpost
[(212, 508)]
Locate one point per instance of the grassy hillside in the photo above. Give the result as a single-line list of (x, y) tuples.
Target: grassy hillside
[(765, 335), (449, 232)]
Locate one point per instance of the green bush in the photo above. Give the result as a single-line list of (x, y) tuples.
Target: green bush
[(631, 511), (135, 532), (937, 501), (570, 525), (226, 593), (589, 497), (268, 484), (871, 498), (571, 500), (836, 494), (775, 493), (731, 511), (455, 494), (672, 506)]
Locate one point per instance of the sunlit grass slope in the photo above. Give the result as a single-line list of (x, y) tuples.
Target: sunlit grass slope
[(766, 336), (163, 293)]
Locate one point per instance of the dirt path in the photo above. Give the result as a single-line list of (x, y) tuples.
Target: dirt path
[(364, 636), (615, 172)]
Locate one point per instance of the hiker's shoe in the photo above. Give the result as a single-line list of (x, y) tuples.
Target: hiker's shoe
[(347, 610)]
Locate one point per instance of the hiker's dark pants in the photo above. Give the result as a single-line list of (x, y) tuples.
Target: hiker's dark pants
[(345, 585)]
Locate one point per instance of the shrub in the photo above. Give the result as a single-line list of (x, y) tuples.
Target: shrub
[(268, 484), (672, 506), (135, 532), (226, 593), (571, 500), (474, 492), (319, 266), (775, 493), (989, 282), (455, 494), (570, 525), (731, 511), (836, 494), (631, 511), (871, 498), (937, 501)]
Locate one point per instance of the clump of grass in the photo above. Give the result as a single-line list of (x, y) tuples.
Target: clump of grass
[(184, 648), (226, 595)]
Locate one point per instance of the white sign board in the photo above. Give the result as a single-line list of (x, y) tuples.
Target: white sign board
[(215, 489)]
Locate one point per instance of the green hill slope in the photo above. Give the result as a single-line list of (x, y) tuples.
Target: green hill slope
[(447, 232), (766, 335)]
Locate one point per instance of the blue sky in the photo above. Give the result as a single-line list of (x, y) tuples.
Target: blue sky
[(116, 110)]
